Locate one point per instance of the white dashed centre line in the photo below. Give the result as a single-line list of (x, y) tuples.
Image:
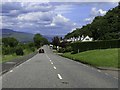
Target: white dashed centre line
[(54, 67), (59, 76), (47, 56)]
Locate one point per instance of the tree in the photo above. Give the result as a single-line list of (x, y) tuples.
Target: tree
[(44, 41), (105, 27), (19, 51), (38, 40), (10, 41), (56, 41)]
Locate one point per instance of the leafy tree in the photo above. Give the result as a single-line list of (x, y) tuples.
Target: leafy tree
[(105, 27), (8, 50), (56, 41), (37, 40), (10, 41), (30, 46), (19, 51), (44, 41)]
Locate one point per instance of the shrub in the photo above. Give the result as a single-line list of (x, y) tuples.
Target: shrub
[(84, 46), (19, 51), (61, 50), (54, 47), (68, 49), (7, 50), (32, 49)]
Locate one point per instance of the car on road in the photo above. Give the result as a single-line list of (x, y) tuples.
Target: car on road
[(41, 50)]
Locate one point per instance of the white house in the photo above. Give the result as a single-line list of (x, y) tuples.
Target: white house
[(87, 38), (82, 39)]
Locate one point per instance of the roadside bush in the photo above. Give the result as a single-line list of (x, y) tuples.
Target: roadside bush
[(32, 49), (61, 50), (54, 47), (7, 50), (19, 51), (84, 46), (23, 46), (68, 49)]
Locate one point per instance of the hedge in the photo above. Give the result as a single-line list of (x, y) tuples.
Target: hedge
[(84, 46)]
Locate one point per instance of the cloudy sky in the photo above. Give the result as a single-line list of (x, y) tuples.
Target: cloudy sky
[(50, 18)]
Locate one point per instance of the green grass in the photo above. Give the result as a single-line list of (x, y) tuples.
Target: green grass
[(6, 58), (100, 58)]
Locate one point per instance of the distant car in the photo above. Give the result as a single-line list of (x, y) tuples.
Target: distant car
[(41, 51)]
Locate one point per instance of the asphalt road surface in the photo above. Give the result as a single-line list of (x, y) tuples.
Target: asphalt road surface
[(48, 70)]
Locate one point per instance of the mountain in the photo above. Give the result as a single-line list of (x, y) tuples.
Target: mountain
[(21, 36), (50, 37), (105, 27)]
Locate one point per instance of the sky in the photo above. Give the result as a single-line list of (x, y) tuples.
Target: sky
[(51, 18)]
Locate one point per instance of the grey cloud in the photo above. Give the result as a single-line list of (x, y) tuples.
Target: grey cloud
[(16, 8), (35, 17), (35, 7), (8, 6)]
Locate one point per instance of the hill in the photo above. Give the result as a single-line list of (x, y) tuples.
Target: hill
[(50, 37), (105, 27), (21, 36)]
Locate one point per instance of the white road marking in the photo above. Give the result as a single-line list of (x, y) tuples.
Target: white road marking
[(47, 56), (85, 65), (10, 62), (51, 62), (115, 77), (59, 76), (54, 67), (11, 70), (106, 74), (98, 70), (19, 65)]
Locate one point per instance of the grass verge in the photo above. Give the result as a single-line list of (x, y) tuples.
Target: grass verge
[(98, 58), (10, 57)]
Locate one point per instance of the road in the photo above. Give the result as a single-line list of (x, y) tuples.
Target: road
[(48, 70)]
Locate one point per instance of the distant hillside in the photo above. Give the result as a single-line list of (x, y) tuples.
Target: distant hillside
[(50, 37), (105, 27), (21, 36)]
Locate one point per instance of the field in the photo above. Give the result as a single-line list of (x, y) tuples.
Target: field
[(99, 58), (13, 56)]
